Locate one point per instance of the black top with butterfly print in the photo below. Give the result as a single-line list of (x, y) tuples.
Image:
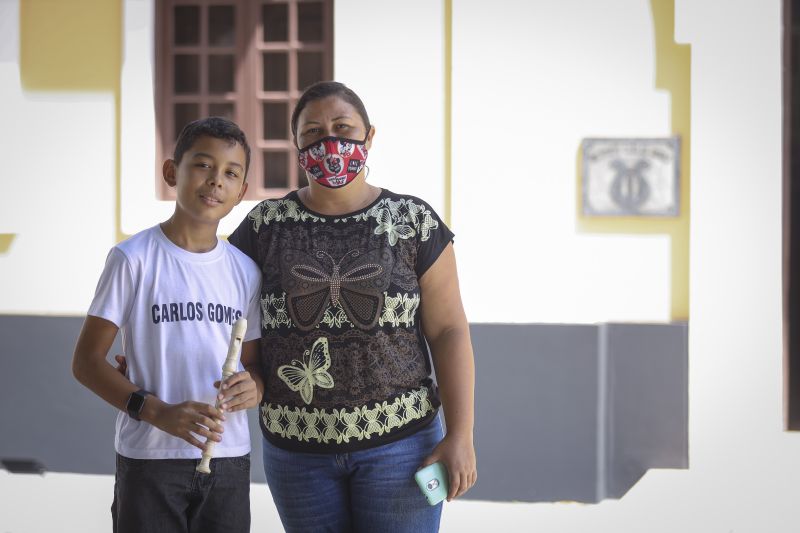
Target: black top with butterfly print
[(346, 366)]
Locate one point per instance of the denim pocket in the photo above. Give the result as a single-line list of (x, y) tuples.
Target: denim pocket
[(122, 465), (241, 462), (126, 464)]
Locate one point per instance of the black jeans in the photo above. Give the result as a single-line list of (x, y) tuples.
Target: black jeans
[(168, 495)]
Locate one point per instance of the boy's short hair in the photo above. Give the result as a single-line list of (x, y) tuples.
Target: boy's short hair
[(217, 127)]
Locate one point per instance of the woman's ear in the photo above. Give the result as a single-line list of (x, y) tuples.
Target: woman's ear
[(169, 172), (370, 135)]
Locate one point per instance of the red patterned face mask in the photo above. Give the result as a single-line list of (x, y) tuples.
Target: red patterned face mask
[(333, 161)]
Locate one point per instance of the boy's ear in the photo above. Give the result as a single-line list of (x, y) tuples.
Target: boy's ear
[(241, 193), (169, 171)]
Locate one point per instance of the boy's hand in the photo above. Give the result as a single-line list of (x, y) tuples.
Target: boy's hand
[(238, 392), (185, 420)]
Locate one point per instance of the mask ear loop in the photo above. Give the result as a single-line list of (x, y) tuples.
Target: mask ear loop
[(366, 137)]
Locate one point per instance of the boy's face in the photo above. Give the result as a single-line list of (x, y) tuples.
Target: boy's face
[(209, 180)]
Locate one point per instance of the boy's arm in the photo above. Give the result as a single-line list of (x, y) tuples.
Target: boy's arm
[(244, 390), (90, 367)]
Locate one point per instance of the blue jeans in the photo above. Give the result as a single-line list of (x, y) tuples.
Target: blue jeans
[(167, 495), (370, 491)]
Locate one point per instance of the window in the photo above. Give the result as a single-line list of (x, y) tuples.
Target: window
[(246, 60)]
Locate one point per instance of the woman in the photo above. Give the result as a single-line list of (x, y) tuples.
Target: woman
[(355, 280)]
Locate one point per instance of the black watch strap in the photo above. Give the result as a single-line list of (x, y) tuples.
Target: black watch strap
[(136, 403)]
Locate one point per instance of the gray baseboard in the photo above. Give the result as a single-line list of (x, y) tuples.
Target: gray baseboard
[(577, 412), (563, 412)]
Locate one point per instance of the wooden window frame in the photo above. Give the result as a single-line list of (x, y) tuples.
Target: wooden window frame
[(248, 96), (791, 212)]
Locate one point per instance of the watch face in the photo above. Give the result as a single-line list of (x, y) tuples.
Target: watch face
[(136, 403)]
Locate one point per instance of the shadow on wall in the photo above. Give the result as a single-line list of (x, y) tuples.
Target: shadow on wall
[(563, 412)]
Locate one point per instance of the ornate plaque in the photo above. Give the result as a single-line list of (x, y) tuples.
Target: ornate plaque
[(631, 177)]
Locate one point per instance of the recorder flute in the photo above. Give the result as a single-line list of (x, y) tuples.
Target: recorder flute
[(228, 369)]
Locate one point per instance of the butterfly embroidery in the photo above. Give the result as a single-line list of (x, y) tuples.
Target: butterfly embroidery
[(292, 424), (427, 225), (302, 376), (312, 431), (272, 417), (393, 228), (351, 427), (329, 431), (389, 315), (393, 418), (410, 305), (371, 418), (316, 283)]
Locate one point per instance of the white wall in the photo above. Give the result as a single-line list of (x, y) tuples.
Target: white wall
[(745, 470), (394, 59), (530, 80), (57, 188), (392, 55), (737, 442)]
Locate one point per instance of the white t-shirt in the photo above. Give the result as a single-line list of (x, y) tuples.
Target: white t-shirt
[(175, 310)]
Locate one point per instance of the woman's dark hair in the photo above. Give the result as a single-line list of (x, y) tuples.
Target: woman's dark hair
[(216, 127), (323, 89)]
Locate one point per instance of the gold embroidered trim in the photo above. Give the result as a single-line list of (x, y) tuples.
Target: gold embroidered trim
[(340, 425), (398, 219), (279, 211)]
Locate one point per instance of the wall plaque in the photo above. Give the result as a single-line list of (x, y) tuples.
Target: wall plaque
[(631, 177)]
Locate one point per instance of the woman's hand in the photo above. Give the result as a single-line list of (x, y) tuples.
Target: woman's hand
[(457, 454)]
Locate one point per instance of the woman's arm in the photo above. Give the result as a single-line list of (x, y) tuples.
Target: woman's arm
[(447, 331)]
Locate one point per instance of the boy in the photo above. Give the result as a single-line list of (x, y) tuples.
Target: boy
[(174, 291)]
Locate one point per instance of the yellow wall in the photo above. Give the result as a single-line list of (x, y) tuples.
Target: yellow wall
[(5, 242), (70, 45)]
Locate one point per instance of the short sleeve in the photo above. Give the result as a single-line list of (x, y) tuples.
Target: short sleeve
[(432, 236), (116, 289), (254, 310), (244, 237)]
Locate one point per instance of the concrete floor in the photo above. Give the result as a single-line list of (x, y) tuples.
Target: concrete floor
[(80, 503)]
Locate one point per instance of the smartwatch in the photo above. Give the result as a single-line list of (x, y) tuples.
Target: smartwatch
[(136, 403)]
